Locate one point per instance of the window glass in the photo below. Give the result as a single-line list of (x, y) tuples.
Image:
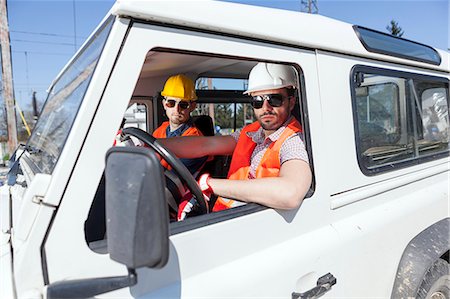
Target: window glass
[(434, 121), (230, 111), (379, 116), (227, 117), (245, 115), (221, 83), (380, 42), (136, 116), (58, 114), (399, 118), (378, 111)]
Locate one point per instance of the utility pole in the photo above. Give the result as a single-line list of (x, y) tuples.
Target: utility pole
[(7, 78), (35, 107), (310, 6)]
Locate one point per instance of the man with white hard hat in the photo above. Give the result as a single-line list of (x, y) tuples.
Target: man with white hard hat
[(269, 163)]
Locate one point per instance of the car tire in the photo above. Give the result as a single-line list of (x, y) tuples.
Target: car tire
[(436, 282)]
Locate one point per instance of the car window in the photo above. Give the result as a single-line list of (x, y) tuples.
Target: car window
[(136, 116), (399, 118), (220, 99), (378, 114), (434, 119)]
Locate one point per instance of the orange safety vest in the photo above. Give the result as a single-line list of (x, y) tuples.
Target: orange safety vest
[(160, 132), (240, 161)]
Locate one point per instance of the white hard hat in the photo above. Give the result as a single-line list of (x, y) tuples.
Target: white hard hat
[(265, 76)]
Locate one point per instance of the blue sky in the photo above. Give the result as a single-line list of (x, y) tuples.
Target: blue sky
[(43, 33)]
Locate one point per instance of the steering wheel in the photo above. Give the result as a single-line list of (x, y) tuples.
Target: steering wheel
[(181, 171)]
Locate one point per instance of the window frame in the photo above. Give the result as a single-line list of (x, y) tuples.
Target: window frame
[(293, 59), (249, 208), (147, 102), (416, 160)]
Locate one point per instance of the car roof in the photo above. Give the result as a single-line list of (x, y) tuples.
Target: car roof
[(261, 23)]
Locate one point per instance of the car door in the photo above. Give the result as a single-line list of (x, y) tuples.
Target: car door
[(250, 251)]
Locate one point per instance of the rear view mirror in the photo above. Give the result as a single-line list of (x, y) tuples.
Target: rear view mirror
[(137, 222)]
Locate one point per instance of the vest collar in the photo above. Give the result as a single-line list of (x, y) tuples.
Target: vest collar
[(180, 130)]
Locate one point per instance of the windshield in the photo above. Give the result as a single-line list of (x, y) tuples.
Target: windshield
[(64, 100)]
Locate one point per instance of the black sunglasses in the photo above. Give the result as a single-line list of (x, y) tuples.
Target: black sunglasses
[(183, 104), (274, 100)]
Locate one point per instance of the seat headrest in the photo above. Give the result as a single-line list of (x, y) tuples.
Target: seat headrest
[(204, 123)]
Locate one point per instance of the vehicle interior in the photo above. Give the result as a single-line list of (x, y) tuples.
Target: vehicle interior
[(222, 108)]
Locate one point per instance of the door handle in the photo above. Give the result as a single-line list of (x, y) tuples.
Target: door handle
[(324, 284)]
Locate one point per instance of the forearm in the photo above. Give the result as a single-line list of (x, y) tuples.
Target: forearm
[(199, 146), (284, 192)]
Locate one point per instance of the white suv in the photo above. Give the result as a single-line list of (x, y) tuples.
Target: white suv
[(374, 109)]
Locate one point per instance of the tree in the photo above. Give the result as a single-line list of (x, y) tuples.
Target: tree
[(249, 115), (223, 115), (394, 29)]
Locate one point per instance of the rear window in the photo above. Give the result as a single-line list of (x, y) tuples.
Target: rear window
[(400, 118), (223, 100)]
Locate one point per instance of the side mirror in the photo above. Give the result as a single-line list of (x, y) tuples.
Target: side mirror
[(137, 222)]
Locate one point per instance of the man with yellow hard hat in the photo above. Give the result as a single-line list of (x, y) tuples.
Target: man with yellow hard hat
[(179, 101)]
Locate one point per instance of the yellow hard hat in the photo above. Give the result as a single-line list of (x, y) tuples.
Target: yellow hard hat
[(180, 87)]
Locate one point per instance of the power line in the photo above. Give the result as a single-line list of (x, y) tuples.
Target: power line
[(46, 34), (44, 53), (39, 42), (18, 86)]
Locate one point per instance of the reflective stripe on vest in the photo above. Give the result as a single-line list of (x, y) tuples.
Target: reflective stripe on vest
[(160, 132), (241, 159)]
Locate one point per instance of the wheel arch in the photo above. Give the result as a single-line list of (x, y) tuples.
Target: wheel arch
[(419, 255)]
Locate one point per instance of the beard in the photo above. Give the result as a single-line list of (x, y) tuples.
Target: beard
[(269, 124)]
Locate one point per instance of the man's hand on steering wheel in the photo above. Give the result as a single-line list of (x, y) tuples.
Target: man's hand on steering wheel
[(189, 205), (181, 171)]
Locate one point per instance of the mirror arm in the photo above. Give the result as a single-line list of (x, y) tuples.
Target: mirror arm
[(86, 288)]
